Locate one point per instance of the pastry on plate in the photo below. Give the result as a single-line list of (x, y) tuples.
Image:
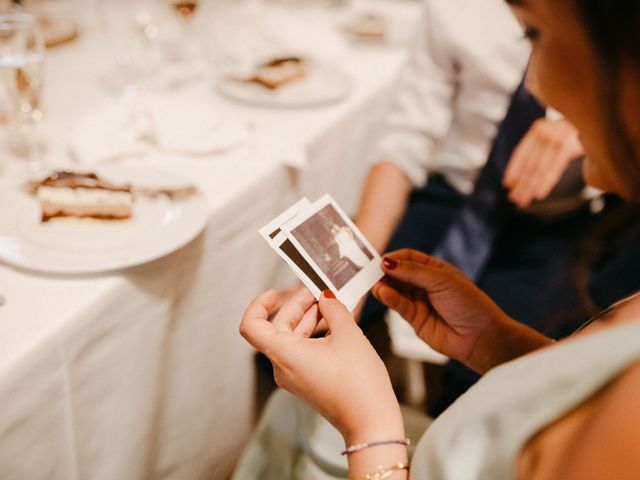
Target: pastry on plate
[(278, 72), (367, 27), (82, 195)]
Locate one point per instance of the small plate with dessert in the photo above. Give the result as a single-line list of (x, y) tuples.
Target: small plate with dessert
[(77, 222), (367, 27), (287, 82)]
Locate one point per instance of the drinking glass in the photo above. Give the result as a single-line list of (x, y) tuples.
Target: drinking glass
[(21, 72)]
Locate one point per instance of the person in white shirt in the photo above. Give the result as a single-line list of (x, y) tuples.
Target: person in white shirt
[(467, 60)]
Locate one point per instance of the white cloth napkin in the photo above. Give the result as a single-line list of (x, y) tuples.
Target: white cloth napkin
[(184, 122)]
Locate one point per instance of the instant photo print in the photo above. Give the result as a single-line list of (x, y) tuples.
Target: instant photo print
[(325, 249), (275, 237)]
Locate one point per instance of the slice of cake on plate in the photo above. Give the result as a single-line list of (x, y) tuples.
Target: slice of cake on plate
[(277, 72), (367, 27), (82, 195)]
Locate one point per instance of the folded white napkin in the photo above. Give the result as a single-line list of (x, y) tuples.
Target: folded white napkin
[(112, 132), (189, 123), (184, 122)]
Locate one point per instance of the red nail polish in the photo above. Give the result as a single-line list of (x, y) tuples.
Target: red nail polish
[(328, 294), (389, 263)]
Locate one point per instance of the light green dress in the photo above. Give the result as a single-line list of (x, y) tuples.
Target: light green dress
[(478, 437)]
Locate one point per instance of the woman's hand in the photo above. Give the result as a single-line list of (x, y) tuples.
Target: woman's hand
[(340, 375), (450, 313)]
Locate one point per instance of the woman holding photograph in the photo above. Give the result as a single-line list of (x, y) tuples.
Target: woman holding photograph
[(544, 410)]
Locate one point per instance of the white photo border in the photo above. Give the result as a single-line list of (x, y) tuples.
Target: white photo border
[(276, 241), (284, 217)]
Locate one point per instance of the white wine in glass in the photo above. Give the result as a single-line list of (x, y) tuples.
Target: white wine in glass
[(21, 72), (22, 77)]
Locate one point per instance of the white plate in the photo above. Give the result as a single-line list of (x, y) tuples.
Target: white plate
[(74, 246), (323, 85)]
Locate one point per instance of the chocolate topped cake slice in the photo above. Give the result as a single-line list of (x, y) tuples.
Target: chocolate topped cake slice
[(279, 71), (82, 195)]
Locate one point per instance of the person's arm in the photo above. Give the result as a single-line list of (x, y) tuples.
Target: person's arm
[(340, 374), (383, 203), (418, 119)]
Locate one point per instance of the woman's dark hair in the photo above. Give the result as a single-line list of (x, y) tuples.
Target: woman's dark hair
[(614, 29)]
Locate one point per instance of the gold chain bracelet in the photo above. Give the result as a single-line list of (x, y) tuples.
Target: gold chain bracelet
[(385, 472)]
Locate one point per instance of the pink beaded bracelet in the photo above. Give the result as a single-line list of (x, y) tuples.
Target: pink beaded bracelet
[(362, 446)]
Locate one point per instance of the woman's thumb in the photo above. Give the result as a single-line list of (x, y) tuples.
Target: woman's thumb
[(334, 312)]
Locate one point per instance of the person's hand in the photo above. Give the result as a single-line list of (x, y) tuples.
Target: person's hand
[(340, 375), (450, 313), (540, 159), (285, 295)]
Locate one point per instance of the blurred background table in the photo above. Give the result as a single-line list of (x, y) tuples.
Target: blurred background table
[(141, 373)]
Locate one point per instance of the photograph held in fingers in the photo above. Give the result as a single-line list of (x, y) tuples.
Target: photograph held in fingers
[(325, 249)]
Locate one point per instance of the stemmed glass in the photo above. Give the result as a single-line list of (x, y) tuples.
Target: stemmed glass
[(21, 72)]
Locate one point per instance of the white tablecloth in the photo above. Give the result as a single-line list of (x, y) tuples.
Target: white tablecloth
[(141, 373)]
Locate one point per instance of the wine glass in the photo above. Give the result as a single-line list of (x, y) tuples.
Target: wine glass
[(21, 72)]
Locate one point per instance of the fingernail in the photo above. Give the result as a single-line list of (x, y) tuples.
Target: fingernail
[(389, 263), (328, 294)]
